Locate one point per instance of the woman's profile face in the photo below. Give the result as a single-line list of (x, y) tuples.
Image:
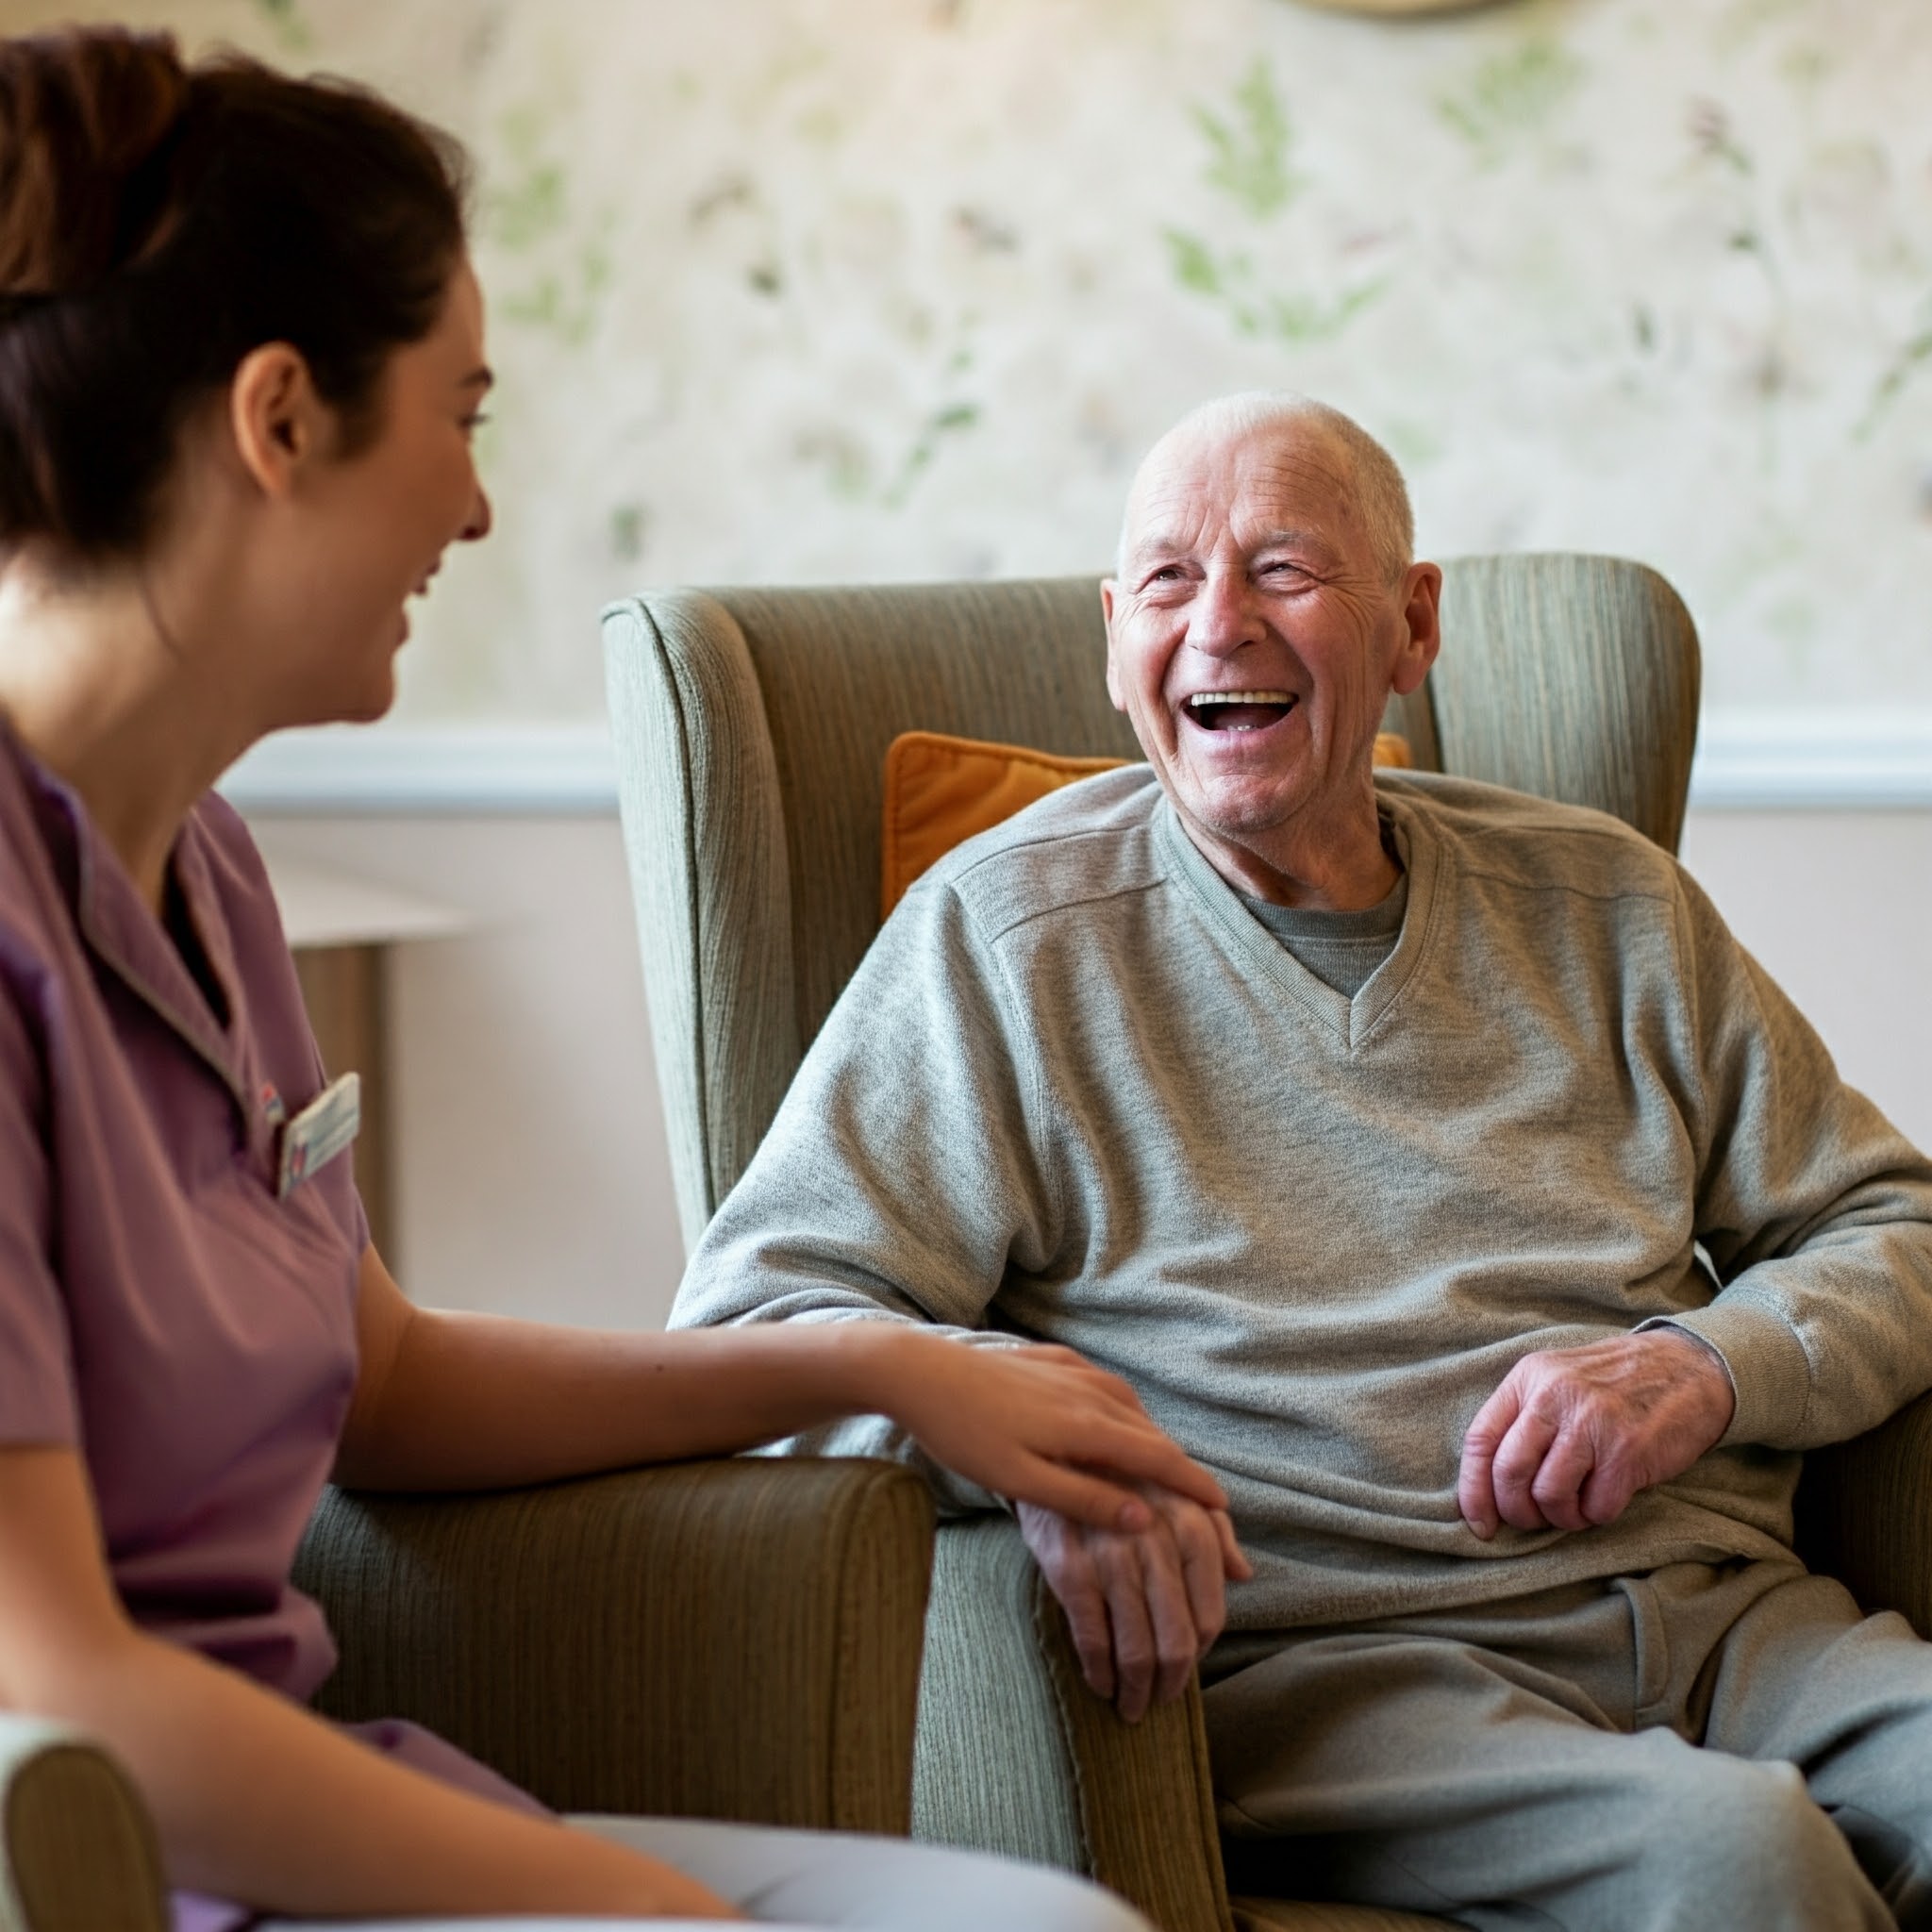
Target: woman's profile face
[(383, 517)]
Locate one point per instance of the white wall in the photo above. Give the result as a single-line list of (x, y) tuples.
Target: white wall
[(1836, 905), (531, 1169)]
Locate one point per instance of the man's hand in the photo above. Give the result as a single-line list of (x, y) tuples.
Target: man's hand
[(1143, 1605), (1574, 1433)]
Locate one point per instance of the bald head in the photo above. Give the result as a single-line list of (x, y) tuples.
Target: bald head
[(1369, 474)]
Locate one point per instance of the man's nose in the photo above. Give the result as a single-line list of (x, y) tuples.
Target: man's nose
[(1225, 612)]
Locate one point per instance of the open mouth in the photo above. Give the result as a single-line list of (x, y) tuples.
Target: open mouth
[(1238, 710)]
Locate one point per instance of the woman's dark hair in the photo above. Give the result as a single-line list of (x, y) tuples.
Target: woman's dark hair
[(158, 222)]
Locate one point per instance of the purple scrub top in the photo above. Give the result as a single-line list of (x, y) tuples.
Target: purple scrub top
[(161, 1310)]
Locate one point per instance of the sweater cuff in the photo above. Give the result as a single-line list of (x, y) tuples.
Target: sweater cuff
[(1771, 1377)]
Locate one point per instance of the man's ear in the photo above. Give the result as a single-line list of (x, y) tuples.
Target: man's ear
[(1106, 597), (1421, 596), (279, 424)]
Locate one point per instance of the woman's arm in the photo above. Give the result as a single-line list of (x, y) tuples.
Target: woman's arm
[(449, 1401), (255, 1798)]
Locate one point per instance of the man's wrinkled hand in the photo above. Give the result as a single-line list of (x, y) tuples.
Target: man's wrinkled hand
[(1145, 1606), (1574, 1433)]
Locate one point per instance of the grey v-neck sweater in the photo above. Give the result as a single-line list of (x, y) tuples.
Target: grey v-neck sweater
[(1077, 1092)]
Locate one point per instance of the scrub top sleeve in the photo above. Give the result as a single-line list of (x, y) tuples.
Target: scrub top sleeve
[(38, 1403)]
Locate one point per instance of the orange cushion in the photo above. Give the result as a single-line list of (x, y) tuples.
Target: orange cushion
[(941, 790)]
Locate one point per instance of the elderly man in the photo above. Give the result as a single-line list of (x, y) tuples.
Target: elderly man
[(1443, 1174)]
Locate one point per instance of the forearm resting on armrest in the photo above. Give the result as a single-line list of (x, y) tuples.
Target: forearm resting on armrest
[(449, 1401)]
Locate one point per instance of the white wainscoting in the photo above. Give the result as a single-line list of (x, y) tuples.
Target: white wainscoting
[(1746, 761)]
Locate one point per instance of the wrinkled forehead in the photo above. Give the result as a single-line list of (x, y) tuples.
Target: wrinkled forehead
[(1197, 490)]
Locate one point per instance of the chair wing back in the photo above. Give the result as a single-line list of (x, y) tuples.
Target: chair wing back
[(751, 727), (1572, 678), (751, 730)]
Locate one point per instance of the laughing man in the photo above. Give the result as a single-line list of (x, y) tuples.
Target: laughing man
[(1370, 1125)]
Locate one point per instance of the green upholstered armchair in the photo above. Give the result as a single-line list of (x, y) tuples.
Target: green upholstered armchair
[(751, 727), (732, 1639)]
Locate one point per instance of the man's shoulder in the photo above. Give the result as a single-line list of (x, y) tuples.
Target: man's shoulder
[(1086, 843), (1517, 839)]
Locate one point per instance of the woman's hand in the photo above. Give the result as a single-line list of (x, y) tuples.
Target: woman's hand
[(1036, 1423)]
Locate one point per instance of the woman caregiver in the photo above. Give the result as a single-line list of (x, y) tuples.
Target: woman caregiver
[(241, 363)]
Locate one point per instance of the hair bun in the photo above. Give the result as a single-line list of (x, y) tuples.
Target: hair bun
[(81, 117)]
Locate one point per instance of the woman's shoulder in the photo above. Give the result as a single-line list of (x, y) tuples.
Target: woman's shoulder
[(219, 838), (227, 880)]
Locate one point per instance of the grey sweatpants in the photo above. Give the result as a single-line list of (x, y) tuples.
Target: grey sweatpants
[(1538, 1763), (799, 1881)]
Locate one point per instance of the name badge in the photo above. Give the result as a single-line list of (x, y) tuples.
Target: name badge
[(316, 1134)]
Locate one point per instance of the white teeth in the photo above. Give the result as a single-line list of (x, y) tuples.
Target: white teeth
[(1204, 698)]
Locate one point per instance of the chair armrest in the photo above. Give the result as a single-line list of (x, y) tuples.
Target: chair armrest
[(1016, 1754), (1864, 1514), (734, 1640), (78, 1847)]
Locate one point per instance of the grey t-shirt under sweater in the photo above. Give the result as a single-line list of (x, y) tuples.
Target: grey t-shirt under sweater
[(1343, 950), (1075, 1091)]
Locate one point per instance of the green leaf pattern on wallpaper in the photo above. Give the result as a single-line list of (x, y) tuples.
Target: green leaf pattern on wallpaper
[(1510, 97), (562, 260), (823, 289), (1250, 165), (1913, 360), (291, 32)]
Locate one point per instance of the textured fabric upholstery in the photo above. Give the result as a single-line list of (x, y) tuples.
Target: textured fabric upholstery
[(1865, 1514), (1572, 677), (986, 1676), (80, 1850), (751, 728), (1075, 1785), (730, 1640)]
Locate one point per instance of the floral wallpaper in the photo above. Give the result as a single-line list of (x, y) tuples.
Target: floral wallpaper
[(834, 290)]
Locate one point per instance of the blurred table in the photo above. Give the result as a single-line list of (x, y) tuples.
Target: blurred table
[(342, 929)]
